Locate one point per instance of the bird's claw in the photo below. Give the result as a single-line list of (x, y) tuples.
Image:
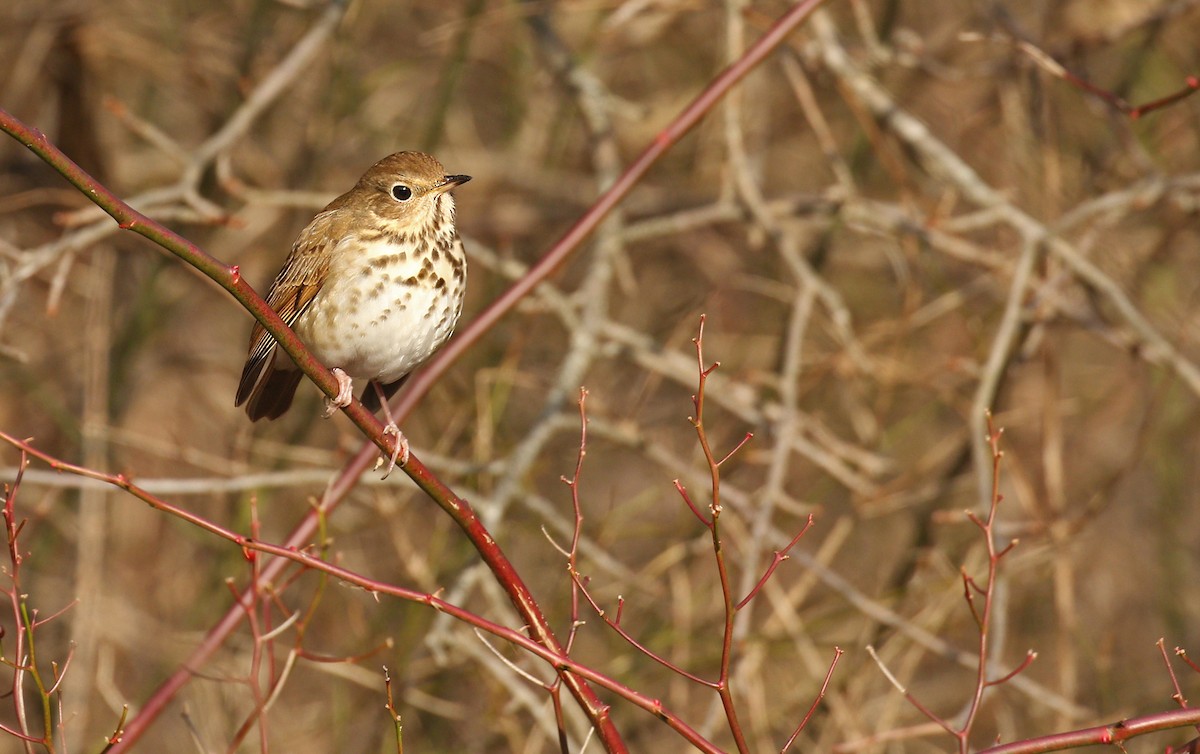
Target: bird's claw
[(345, 394), (400, 453)]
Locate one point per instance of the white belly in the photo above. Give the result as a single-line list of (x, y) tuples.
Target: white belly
[(378, 318)]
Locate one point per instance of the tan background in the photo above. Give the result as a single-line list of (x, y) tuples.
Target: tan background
[(854, 310)]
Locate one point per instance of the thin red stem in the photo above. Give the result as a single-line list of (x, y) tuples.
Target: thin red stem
[(615, 625), (691, 115), (714, 470), (1178, 696), (555, 657), (1113, 733), (688, 499), (780, 556), (837, 655), (229, 278)]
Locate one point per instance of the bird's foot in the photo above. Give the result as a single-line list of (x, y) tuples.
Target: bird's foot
[(345, 393), (399, 453)]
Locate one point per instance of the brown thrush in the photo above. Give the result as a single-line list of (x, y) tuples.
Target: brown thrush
[(373, 286)]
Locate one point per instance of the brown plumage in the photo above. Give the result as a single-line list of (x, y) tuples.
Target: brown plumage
[(373, 286)]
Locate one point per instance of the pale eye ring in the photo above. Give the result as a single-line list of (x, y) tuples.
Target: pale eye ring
[(401, 192)]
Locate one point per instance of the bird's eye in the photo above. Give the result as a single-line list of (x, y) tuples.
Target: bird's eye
[(401, 192)]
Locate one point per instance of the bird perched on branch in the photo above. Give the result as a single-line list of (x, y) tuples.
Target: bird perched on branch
[(373, 286)]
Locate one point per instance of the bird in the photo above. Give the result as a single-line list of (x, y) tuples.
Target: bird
[(373, 286)]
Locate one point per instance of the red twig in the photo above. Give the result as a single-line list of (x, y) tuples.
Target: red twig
[(458, 508), (1030, 656), (229, 278), (988, 591), (913, 700), (691, 115), (1047, 63), (714, 508), (24, 662), (1178, 696), (688, 500), (780, 556), (556, 658), (837, 655), (615, 625), (1182, 654), (572, 567), (391, 708), (745, 439), (1113, 733), (577, 532), (1135, 112), (711, 522), (981, 614)]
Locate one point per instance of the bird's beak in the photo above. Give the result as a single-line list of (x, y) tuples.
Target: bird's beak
[(450, 182)]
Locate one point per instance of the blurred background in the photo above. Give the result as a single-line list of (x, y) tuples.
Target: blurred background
[(902, 218)]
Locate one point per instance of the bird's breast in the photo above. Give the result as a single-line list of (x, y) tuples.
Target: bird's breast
[(386, 305)]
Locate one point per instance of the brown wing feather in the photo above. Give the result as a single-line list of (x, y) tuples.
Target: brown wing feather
[(267, 383), (274, 394)]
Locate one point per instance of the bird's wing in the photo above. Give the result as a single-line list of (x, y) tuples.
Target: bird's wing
[(294, 289)]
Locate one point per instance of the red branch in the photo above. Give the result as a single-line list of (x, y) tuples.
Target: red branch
[(780, 556), (837, 655), (1113, 733), (556, 658), (1047, 63), (230, 279)]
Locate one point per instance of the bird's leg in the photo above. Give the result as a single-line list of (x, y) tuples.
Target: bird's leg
[(391, 428), (345, 393)]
